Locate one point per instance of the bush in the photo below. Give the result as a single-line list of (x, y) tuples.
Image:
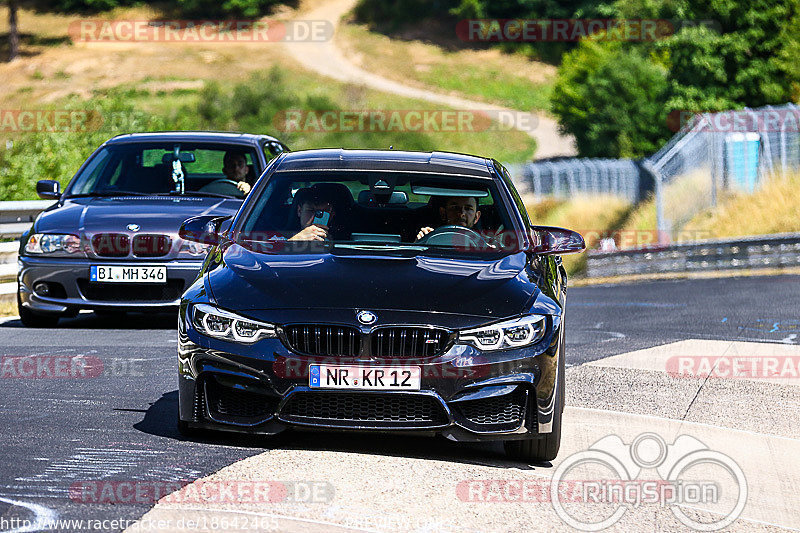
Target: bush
[(50, 155), (611, 99)]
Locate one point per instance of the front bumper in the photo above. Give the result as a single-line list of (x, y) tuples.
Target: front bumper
[(71, 290), (464, 395)]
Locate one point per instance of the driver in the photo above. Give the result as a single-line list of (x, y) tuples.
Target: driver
[(456, 211), (234, 166)]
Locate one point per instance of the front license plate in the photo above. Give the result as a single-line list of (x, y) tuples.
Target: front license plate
[(364, 377), (128, 274)]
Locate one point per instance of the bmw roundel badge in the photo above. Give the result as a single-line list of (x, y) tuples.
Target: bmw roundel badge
[(366, 317)]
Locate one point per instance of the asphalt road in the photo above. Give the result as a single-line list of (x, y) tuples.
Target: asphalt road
[(113, 417)]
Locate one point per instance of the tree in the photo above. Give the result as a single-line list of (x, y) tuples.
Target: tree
[(611, 99), (13, 31)]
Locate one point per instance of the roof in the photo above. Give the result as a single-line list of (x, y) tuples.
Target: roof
[(387, 160), (192, 136)]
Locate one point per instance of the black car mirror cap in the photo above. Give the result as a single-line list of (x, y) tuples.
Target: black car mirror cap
[(550, 240), (48, 189), (203, 229)]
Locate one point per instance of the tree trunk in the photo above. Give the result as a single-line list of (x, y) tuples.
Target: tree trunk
[(13, 31)]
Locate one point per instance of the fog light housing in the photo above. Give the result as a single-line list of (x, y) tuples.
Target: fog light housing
[(41, 289)]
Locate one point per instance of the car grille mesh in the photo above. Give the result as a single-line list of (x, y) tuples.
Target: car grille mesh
[(364, 409), (324, 340), (111, 244), (237, 403), (408, 342), (498, 413), (131, 292), (151, 245)]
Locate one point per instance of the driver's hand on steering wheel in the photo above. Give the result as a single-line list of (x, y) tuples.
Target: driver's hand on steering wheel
[(424, 231), (244, 187)]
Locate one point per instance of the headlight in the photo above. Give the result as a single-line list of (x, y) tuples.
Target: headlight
[(509, 334), (53, 243), (221, 324)]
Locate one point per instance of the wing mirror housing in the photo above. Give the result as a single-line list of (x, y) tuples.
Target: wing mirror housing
[(204, 229), (48, 189), (550, 240)]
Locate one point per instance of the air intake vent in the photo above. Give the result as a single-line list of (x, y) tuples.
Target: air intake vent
[(111, 244), (409, 342), (151, 245), (364, 409), (337, 341)]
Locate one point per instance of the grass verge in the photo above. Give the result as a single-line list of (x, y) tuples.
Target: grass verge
[(489, 75)]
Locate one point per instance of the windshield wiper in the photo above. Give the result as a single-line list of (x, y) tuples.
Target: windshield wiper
[(107, 194), (196, 193)]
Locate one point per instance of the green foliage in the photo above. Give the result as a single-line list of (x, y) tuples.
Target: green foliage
[(259, 106), (226, 8), (188, 8), (82, 6), (57, 155), (611, 99), (392, 14), (254, 106)]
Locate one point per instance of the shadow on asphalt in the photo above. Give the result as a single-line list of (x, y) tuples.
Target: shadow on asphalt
[(126, 321), (161, 420)]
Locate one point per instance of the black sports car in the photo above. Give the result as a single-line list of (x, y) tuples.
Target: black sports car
[(378, 291), (111, 242)]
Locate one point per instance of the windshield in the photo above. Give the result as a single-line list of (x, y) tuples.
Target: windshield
[(373, 210), (168, 168)]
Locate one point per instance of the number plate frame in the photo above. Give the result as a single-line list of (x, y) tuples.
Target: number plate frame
[(128, 274)]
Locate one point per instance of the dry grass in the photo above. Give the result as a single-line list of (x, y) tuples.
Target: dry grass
[(684, 197), (8, 308), (773, 208), (593, 217)]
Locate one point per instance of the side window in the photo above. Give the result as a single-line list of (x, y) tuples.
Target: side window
[(523, 211)]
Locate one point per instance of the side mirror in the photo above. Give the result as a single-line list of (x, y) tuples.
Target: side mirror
[(204, 229), (48, 189), (549, 240)]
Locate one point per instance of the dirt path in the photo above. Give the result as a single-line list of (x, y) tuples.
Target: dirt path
[(326, 58)]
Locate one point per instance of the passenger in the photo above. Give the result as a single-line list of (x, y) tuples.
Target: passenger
[(234, 166), (329, 198), (456, 211)]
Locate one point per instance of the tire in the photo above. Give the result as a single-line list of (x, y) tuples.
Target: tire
[(545, 448), (186, 431), (31, 319)]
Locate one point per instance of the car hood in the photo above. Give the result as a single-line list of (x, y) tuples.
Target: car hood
[(86, 217), (250, 281)]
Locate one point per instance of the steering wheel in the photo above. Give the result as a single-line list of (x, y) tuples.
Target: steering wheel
[(222, 186), (454, 236)]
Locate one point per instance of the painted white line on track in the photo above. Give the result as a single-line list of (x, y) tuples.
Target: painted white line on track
[(43, 517)]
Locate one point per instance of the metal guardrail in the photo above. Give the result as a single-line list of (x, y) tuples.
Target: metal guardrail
[(763, 251), (17, 217)]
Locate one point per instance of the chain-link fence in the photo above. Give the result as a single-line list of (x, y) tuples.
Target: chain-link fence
[(712, 153), (718, 152), (568, 177)]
